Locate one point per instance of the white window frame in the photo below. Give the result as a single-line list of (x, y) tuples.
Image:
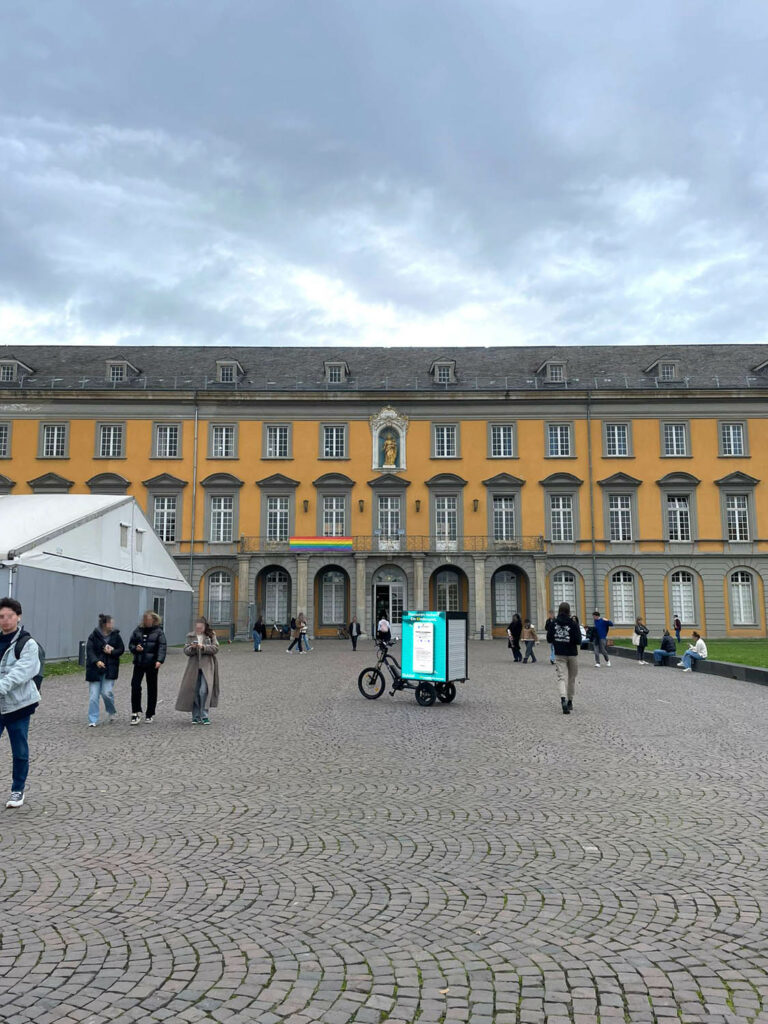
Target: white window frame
[(5, 440), (737, 518), (623, 596), (164, 430), (446, 440), (683, 596), (335, 373), (278, 517), (223, 441), (443, 373), (108, 434), (555, 373), (620, 517), (54, 437), (227, 373), (742, 588), (333, 587), (334, 515), (564, 588), (612, 441), (446, 519), (222, 512), (502, 441), (165, 509), (562, 515), (672, 434), (667, 371), (9, 372), (277, 441), (677, 523), (219, 596), (729, 432), (334, 441), (117, 373), (504, 517), (559, 441)]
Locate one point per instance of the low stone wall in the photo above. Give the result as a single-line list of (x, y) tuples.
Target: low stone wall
[(726, 669)]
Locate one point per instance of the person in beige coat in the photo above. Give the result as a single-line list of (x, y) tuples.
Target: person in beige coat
[(199, 688)]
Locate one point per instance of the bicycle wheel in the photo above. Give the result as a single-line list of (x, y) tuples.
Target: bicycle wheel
[(446, 692), (371, 683), (425, 695)]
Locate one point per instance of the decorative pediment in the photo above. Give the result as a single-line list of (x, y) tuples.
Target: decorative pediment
[(620, 480), (108, 483), (446, 480), (737, 479), (389, 483), (504, 480), (164, 480), (6, 484), (277, 480), (679, 480), (51, 483), (333, 480), (221, 480), (561, 480)]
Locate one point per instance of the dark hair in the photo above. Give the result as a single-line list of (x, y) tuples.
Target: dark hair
[(526, 622), (208, 631), (696, 634), (12, 603), (564, 609), (666, 632), (104, 618)]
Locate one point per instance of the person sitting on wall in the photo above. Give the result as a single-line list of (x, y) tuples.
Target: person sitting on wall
[(668, 646), (697, 651)]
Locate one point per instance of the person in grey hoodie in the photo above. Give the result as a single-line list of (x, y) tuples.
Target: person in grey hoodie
[(19, 695), (564, 633)]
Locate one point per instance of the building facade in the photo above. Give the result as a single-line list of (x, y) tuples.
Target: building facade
[(485, 480)]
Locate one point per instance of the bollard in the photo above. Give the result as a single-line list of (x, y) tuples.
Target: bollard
[(482, 632), (81, 654)]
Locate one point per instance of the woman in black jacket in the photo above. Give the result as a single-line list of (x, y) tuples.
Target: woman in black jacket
[(102, 664), (514, 630), (565, 634), (148, 647)]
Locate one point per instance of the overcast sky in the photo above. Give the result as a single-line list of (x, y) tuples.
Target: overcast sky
[(383, 172)]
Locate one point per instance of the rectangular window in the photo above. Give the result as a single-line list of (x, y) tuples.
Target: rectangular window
[(623, 597), (682, 596), (277, 442), (335, 375), (334, 442), (620, 516), (7, 372), (164, 518), (277, 518), (558, 440), (116, 373), (222, 442), (561, 516), (334, 516), (111, 441), (502, 441), (504, 518), (737, 516), (227, 373), (667, 371), (446, 519), (123, 535), (139, 540), (731, 438), (443, 375), (445, 442), (675, 439), (5, 440), (158, 606), (222, 519), (741, 599), (389, 517), (167, 441), (616, 439), (678, 517), (556, 372), (54, 440)]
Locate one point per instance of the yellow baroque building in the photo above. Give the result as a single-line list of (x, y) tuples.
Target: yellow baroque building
[(487, 480)]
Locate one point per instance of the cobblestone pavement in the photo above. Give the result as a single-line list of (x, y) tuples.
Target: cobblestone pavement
[(312, 856)]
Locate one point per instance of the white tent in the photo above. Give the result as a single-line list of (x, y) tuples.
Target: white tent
[(69, 557)]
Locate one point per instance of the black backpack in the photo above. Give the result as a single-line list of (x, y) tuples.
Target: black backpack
[(18, 647)]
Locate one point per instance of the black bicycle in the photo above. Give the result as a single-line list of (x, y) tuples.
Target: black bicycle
[(371, 681)]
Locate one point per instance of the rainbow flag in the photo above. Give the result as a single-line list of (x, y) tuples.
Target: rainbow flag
[(320, 543)]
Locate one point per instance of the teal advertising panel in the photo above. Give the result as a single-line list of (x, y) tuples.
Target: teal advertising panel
[(434, 646)]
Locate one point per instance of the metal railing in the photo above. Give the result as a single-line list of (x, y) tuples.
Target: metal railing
[(405, 543)]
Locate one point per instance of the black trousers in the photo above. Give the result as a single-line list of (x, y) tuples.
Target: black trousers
[(353, 638), (138, 674)]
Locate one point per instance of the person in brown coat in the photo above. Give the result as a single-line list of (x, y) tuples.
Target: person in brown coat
[(199, 688)]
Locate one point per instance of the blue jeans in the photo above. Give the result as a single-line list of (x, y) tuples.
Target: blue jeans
[(690, 656), (103, 688), (201, 696), (658, 656), (256, 640), (18, 733)]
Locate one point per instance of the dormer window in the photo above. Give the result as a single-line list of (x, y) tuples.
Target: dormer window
[(336, 373), (119, 370), (443, 371), (228, 371), (667, 371), (554, 371), (12, 369)]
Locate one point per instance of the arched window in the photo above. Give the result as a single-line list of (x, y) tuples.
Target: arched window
[(742, 598), (447, 591), (276, 587), (333, 596), (682, 596), (564, 589), (623, 596), (504, 596), (219, 597)]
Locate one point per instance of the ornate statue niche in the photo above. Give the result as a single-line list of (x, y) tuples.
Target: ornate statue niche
[(388, 430)]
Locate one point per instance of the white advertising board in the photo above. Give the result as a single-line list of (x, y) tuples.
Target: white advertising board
[(423, 647)]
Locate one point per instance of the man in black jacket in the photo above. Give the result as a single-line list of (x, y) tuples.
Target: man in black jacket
[(148, 647), (564, 633)]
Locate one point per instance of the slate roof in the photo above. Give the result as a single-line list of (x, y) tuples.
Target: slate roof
[(514, 368)]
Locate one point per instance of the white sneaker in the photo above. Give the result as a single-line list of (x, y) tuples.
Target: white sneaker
[(135, 719), (597, 664), (16, 798), (92, 725), (607, 664), (680, 665), (686, 670)]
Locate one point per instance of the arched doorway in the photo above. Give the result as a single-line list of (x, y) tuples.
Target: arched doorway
[(390, 593), (331, 600), (509, 594), (449, 589), (273, 594)]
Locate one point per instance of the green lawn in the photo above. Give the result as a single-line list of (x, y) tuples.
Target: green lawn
[(742, 652)]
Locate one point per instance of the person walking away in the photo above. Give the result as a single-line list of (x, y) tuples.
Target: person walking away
[(259, 629), (301, 622), (564, 633), (102, 665), (677, 626), (295, 638), (514, 631), (148, 647), (199, 690), (550, 618), (354, 629), (530, 638), (640, 639), (668, 646), (600, 627), (19, 695), (383, 629), (697, 651)]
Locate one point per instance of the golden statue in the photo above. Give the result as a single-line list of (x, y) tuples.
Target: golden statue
[(390, 451)]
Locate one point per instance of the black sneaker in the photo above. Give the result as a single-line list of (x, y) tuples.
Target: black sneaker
[(564, 706), (135, 719), (570, 705)]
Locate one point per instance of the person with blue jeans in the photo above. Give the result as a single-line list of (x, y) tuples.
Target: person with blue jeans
[(668, 646), (102, 665), (697, 651), (258, 631), (600, 627), (19, 695)]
